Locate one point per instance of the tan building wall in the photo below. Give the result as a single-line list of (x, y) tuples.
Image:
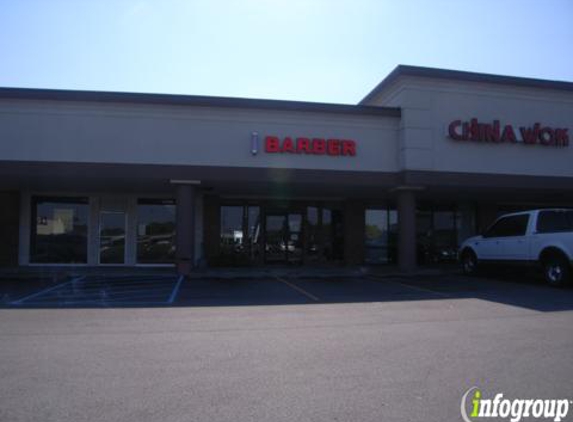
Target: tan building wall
[(82, 132), (429, 105)]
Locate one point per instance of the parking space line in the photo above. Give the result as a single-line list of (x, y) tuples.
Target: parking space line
[(102, 294), (175, 290), (418, 289), (41, 292), (298, 289), (97, 290), (96, 303)]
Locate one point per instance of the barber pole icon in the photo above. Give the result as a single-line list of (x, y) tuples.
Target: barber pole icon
[(254, 143)]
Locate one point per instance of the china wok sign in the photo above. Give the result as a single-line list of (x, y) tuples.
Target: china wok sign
[(496, 132)]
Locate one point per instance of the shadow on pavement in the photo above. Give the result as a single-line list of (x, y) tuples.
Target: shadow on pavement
[(166, 289)]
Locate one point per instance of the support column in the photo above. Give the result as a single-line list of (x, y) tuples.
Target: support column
[(406, 230), (9, 220), (353, 233), (185, 229), (211, 228)]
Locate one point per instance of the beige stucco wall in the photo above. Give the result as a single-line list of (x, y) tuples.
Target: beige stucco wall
[(429, 105), (185, 135)]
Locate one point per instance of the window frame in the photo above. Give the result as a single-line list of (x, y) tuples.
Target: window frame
[(56, 199), (146, 201)]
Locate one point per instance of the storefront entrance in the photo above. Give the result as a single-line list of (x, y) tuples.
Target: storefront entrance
[(283, 238), (267, 232)]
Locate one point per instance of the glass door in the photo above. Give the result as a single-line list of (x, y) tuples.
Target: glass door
[(112, 237), (275, 247), (294, 238), (283, 238)]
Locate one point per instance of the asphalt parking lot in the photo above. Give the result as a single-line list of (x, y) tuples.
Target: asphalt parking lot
[(148, 347), (169, 290)]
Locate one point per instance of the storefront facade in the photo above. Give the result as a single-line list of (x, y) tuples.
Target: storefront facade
[(427, 159)]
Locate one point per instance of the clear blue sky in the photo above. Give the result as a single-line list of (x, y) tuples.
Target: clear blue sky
[(310, 50)]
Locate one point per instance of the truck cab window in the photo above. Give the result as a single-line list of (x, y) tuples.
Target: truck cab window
[(513, 225)]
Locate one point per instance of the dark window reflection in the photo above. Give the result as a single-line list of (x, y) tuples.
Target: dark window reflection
[(436, 234), (155, 231), (232, 229), (112, 238), (445, 235), (59, 231), (324, 234), (314, 240), (380, 236), (253, 232), (240, 234)]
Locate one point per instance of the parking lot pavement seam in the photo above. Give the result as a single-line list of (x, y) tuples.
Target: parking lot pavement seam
[(415, 288), (298, 289)]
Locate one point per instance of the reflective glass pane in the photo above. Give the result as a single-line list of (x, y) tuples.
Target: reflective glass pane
[(294, 238), (253, 232), (555, 221), (155, 231), (376, 236), (232, 229), (59, 232), (424, 235), (275, 245), (465, 223), (444, 236), (313, 235), (294, 222), (254, 223), (112, 238)]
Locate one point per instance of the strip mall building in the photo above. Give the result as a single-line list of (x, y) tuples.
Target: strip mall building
[(428, 158)]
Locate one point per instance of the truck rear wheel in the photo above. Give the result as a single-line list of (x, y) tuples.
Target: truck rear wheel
[(556, 270)]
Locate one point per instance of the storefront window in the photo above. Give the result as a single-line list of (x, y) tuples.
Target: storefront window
[(445, 235), (381, 229), (240, 236), (465, 222), (232, 229), (313, 234), (59, 232), (112, 237), (326, 234), (437, 230), (253, 235), (376, 236), (155, 231)]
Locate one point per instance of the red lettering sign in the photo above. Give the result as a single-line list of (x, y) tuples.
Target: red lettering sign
[(272, 144), (316, 146), (496, 133)]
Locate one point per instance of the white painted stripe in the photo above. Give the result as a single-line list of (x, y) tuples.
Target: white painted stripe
[(41, 292), (298, 289), (97, 303), (416, 288), (175, 290)]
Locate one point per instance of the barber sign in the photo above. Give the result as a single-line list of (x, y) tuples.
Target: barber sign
[(305, 145)]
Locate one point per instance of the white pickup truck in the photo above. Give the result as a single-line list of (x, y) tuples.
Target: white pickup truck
[(542, 237)]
